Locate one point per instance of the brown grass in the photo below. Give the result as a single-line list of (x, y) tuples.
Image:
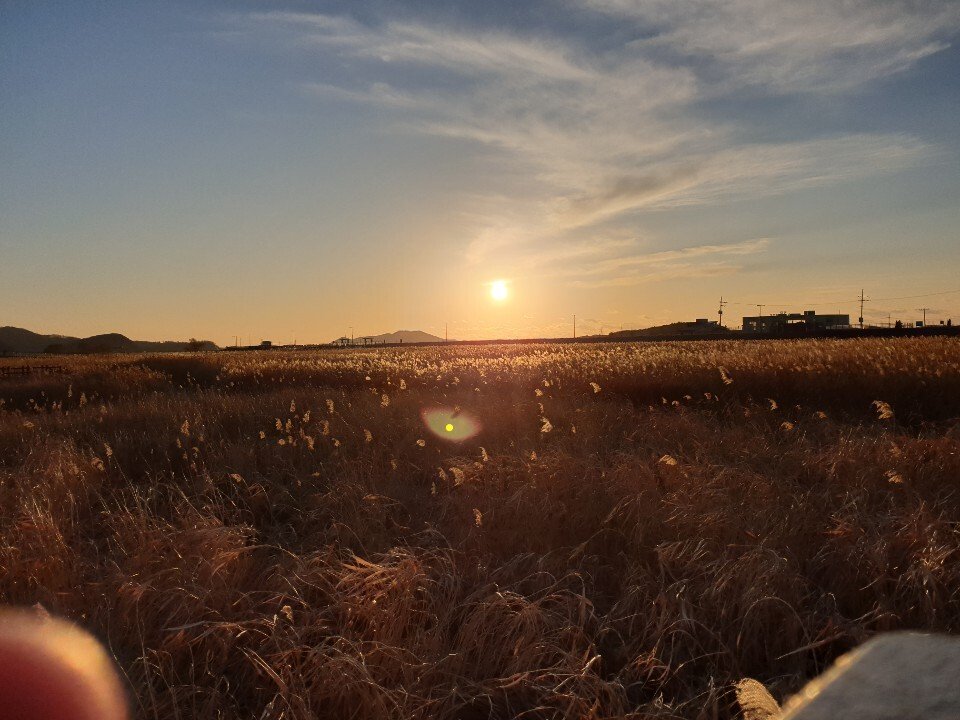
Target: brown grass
[(721, 511)]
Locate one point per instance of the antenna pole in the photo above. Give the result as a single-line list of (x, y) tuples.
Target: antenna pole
[(761, 309)]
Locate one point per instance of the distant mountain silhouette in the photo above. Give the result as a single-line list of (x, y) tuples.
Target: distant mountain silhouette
[(404, 336), (108, 342), (407, 336), (18, 340)]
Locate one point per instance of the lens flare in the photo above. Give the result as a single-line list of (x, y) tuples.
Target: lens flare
[(450, 423)]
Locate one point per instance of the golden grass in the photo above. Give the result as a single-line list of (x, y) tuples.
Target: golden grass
[(634, 530)]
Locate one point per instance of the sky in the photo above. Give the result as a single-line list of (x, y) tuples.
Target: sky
[(289, 170)]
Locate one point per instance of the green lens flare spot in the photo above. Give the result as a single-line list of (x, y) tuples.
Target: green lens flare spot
[(451, 424)]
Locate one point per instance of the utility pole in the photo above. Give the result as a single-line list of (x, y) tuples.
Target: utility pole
[(862, 301), (761, 309), (924, 311), (888, 320), (574, 327), (720, 312), (446, 332)]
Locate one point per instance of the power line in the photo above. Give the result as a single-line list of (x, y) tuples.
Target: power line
[(849, 300), (911, 297)]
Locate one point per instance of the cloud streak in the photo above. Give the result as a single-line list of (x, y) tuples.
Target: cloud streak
[(794, 45), (688, 262)]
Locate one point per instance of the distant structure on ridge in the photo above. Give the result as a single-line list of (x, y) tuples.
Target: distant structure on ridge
[(785, 323), (701, 327)]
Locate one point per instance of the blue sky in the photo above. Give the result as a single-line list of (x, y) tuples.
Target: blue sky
[(291, 169)]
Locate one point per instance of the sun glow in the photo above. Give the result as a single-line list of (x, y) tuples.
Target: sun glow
[(498, 290)]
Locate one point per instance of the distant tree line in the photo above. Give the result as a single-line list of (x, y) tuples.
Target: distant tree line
[(93, 345)]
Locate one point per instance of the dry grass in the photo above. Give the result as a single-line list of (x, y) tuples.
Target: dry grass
[(261, 535)]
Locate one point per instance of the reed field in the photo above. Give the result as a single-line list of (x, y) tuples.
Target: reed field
[(514, 531)]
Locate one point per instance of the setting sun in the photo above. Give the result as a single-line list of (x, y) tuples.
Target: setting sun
[(498, 290)]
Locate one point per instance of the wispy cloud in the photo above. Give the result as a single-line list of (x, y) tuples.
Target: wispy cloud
[(375, 94), (794, 45), (593, 137), (476, 53), (670, 272), (688, 262)]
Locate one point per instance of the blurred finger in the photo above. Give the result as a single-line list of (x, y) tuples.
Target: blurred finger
[(50, 668)]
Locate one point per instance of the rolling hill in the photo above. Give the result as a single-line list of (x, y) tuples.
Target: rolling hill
[(19, 341), (401, 336)]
